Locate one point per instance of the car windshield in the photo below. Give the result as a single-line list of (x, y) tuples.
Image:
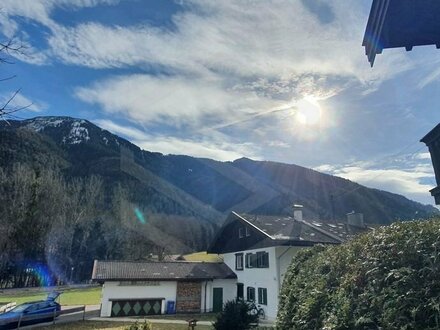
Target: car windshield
[(20, 308)]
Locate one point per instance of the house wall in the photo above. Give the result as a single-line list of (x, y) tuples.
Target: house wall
[(259, 278), (285, 254), (113, 290), (229, 292), (270, 278)]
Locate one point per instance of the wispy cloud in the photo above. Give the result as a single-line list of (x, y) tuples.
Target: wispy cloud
[(176, 100), (216, 147), (408, 174), (239, 38)]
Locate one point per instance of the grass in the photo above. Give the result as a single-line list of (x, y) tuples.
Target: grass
[(203, 256), (87, 296), (90, 325)]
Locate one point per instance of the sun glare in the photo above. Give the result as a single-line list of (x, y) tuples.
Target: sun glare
[(308, 111)]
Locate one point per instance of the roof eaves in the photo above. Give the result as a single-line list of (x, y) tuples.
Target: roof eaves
[(432, 135), (373, 31)]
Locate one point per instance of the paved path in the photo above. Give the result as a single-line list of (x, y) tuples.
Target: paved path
[(92, 311), (92, 314), (129, 319)]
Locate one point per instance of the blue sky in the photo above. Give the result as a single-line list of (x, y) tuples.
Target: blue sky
[(275, 80)]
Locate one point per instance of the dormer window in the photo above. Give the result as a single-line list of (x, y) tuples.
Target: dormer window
[(248, 232), (240, 232)]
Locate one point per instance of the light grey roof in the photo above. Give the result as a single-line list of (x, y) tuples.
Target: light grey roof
[(177, 270)]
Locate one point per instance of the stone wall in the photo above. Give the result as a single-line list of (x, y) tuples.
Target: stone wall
[(189, 297)]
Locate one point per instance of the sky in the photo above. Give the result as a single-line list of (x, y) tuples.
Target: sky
[(286, 81)]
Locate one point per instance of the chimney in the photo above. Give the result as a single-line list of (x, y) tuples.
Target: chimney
[(297, 212), (297, 221), (355, 219)]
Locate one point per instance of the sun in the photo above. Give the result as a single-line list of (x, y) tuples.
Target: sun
[(308, 111)]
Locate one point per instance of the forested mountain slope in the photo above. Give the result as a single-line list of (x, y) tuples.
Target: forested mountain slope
[(202, 188)]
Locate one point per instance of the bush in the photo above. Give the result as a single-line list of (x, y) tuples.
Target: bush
[(386, 279), (140, 326), (235, 315)]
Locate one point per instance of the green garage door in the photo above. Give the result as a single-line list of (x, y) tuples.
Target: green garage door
[(136, 307)]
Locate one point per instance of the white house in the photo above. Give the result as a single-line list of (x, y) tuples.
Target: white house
[(260, 248), (256, 250)]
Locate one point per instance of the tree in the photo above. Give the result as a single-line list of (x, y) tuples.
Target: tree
[(236, 315)]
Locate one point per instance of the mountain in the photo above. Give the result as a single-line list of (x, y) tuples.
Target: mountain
[(195, 187)]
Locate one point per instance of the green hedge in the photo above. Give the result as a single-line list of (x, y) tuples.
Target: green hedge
[(386, 279)]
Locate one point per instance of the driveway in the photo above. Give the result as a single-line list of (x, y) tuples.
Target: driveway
[(92, 312)]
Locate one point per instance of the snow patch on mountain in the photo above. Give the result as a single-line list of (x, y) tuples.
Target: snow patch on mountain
[(40, 124), (77, 133)]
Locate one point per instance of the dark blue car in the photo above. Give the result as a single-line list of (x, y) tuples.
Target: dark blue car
[(31, 313)]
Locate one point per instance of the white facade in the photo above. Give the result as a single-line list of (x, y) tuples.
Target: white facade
[(229, 292), (119, 290), (116, 290), (269, 278)]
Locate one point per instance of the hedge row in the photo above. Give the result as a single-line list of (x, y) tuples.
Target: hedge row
[(386, 279)]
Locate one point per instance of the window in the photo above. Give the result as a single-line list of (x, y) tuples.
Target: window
[(251, 260), (257, 260), (240, 291), (262, 296), (240, 233), (239, 261), (248, 232), (250, 293), (262, 260)]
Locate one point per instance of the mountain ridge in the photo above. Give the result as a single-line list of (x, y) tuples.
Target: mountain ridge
[(204, 188)]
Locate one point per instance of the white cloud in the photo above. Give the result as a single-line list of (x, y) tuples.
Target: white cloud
[(423, 155), (224, 59), (38, 11), (217, 147), (173, 100), (413, 179), (22, 102), (242, 39)]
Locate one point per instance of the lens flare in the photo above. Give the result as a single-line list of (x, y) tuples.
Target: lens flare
[(140, 216), (308, 111), (41, 273)]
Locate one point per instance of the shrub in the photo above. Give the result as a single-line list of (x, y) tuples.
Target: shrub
[(140, 326), (385, 279), (236, 315)]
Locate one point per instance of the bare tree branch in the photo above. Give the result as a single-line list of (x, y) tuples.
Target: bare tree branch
[(6, 52)]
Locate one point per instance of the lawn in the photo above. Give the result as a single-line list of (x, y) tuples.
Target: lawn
[(203, 256), (87, 296), (90, 325)]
